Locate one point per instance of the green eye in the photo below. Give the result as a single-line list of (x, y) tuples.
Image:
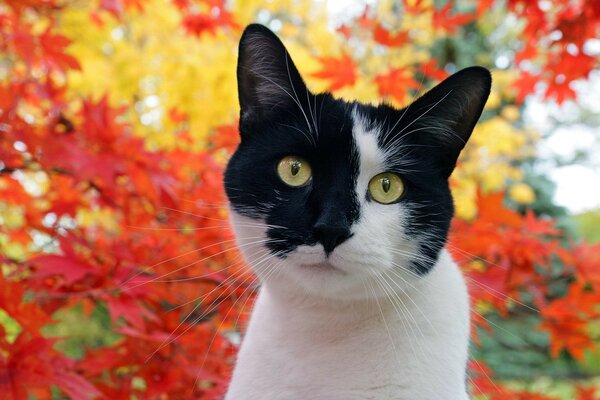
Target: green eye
[(386, 188), (294, 171)]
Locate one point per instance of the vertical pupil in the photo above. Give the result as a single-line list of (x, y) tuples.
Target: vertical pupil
[(385, 184), (295, 168)]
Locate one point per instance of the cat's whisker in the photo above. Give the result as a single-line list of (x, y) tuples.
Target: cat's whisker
[(401, 316), (394, 298), (225, 282), (173, 338), (233, 248), (192, 214), (201, 298), (255, 280), (312, 117), (321, 111), (146, 269), (409, 297), (294, 99), (258, 225), (202, 204), (200, 277), (287, 66), (439, 288), (227, 225), (500, 295), (424, 113), (407, 270), (268, 273), (486, 287), (392, 342), (385, 137), (308, 136)]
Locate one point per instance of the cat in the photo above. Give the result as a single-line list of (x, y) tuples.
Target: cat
[(342, 210)]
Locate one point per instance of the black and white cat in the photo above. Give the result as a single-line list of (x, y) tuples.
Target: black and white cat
[(343, 210)]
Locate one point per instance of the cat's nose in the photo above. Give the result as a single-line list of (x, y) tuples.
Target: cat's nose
[(331, 235)]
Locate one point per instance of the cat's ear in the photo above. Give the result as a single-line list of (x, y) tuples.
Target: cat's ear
[(446, 115), (268, 80)]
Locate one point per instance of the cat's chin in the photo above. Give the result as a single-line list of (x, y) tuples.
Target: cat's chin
[(322, 280)]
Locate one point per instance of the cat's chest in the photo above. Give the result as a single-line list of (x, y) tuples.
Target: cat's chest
[(300, 357), (415, 350)]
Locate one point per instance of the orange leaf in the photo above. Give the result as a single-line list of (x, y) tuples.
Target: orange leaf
[(396, 84), (339, 71), (384, 37)]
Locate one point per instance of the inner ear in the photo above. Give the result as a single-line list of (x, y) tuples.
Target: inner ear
[(268, 80), (444, 117)]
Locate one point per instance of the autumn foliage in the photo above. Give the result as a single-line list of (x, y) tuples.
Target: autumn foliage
[(112, 214)]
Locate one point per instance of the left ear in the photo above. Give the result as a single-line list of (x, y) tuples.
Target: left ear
[(268, 81), (444, 117)]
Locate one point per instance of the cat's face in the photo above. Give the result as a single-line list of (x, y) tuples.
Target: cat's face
[(335, 197)]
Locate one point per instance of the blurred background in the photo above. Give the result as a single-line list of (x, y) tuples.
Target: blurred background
[(119, 275)]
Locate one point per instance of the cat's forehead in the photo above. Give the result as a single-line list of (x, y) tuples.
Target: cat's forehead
[(366, 133)]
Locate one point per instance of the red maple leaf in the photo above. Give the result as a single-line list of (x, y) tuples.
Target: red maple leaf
[(339, 71), (431, 70), (396, 83), (199, 24), (525, 85), (386, 38), (443, 20), (529, 51), (31, 365)]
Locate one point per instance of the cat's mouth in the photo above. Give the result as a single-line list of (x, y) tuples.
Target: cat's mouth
[(322, 267)]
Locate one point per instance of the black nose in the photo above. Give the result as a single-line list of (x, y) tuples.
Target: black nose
[(330, 235)]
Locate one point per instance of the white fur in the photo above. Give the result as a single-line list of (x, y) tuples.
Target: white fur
[(356, 325)]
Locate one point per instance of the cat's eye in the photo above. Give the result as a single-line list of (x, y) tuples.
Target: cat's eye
[(294, 171), (386, 188)]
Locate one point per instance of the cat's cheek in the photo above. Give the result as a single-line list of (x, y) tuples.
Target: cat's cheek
[(250, 240)]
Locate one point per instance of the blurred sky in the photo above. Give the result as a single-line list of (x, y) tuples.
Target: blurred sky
[(565, 134)]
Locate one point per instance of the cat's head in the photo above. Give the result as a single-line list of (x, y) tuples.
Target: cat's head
[(330, 196)]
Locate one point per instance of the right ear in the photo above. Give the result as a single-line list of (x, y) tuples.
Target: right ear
[(268, 80)]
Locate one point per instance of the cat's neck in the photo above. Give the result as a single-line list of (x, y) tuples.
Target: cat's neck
[(414, 347)]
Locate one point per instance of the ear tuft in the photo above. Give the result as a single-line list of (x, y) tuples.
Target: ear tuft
[(268, 80)]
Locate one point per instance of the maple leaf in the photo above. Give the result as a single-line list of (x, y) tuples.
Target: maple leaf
[(53, 47), (431, 70), (226, 136), (32, 364), (560, 90), (525, 85), (528, 52), (199, 24), (386, 38), (396, 83), (340, 71), (568, 330), (72, 270), (444, 21), (30, 316)]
